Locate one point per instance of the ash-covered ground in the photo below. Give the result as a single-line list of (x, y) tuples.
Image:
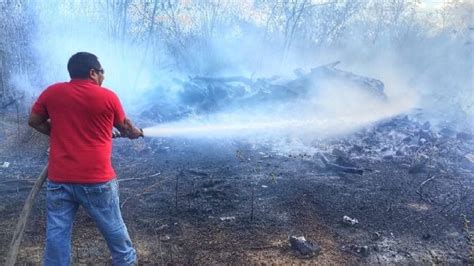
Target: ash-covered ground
[(406, 187)]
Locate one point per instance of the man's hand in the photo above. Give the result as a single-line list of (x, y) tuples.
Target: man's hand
[(40, 123), (127, 130)]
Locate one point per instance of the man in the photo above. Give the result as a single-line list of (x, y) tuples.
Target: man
[(79, 116)]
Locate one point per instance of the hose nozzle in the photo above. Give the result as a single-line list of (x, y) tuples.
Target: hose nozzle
[(117, 134)]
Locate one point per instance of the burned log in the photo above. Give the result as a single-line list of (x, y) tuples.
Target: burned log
[(225, 79), (339, 168)]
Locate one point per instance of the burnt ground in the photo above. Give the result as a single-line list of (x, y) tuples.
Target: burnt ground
[(232, 202)]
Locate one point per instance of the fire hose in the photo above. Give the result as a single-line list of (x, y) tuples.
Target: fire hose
[(25, 212)]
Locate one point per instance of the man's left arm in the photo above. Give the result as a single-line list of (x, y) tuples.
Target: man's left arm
[(40, 123)]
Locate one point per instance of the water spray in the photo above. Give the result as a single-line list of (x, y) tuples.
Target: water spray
[(230, 129), (292, 120), (233, 129)]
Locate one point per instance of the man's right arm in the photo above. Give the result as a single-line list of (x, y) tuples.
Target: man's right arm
[(40, 123)]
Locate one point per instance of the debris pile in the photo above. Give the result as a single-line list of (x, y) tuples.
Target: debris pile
[(203, 95), (416, 145)]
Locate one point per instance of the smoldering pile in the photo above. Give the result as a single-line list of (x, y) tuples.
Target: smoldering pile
[(408, 140), (202, 95)]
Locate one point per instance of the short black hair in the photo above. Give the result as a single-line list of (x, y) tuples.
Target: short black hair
[(81, 63)]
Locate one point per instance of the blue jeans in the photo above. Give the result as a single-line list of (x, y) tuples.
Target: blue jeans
[(101, 202)]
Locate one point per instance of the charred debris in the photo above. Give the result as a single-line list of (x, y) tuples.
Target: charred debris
[(204, 95), (397, 191), (409, 139)]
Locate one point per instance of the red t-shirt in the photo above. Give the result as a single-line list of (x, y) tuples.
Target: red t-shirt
[(82, 116)]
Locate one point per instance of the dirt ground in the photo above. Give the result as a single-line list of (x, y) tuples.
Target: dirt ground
[(233, 202)]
